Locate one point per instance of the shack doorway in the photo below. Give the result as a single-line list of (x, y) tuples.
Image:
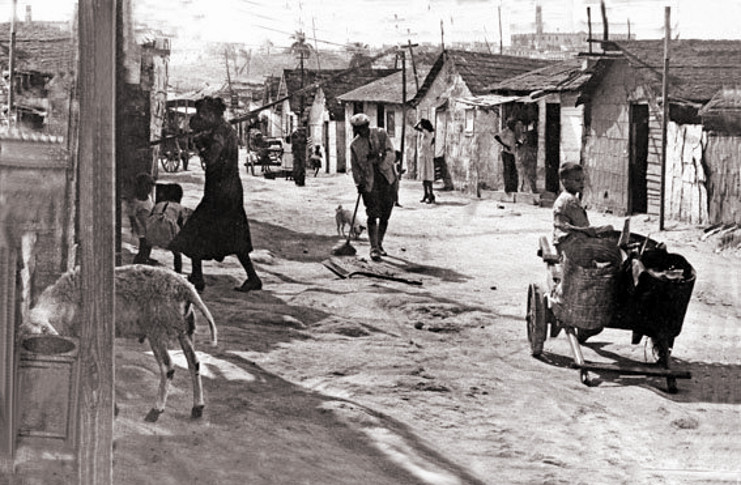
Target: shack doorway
[(552, 146), (638, 159)]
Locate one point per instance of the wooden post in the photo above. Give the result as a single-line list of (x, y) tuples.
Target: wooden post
[(403, 103), (414, 64), (665, 116), (97, 31), (605, 26), (442, 35), (11, 65), (501, 34), (589, 24)]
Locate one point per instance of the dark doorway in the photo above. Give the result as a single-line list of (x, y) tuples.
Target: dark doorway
[(552, 146), (638, 162)]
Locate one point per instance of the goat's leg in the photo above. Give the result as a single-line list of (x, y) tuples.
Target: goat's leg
[(167, 371), (194, 366)]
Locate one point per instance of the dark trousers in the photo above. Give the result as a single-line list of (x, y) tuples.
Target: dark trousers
[(509, 172), (379, 202)]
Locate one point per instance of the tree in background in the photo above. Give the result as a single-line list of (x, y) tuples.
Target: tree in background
[(360, 53)]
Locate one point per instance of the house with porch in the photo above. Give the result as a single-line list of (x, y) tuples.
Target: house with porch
[(464, 130), (610, 108)]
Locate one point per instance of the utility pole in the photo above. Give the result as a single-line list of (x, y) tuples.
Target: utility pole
[(442, 35), (605, 27), (501, 35), (11, 65), (403, 101), (589, 23), (414, 64), (665, 116), (316, 45)]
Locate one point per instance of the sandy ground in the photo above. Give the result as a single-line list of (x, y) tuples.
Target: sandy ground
[(320, 380)]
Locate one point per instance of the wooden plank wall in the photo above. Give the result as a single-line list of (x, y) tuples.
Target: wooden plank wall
[(685, 198), (723, 158), (605, 155)]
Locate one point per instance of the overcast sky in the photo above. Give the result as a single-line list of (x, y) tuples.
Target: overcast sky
[(376, 22)]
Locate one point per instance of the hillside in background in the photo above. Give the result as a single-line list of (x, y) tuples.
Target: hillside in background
[(195, 64)]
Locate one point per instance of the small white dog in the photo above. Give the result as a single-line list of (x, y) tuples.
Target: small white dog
[(344, 217)]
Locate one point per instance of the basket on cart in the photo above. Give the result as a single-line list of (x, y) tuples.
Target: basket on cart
[(632, 284), (590, 282)]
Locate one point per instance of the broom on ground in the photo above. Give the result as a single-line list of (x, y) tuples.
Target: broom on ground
[(346, 249)]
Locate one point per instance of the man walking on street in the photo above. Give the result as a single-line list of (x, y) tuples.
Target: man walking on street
[(372, 162)]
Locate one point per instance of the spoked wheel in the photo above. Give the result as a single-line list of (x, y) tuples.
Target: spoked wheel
[(170, 163), (536, 323)]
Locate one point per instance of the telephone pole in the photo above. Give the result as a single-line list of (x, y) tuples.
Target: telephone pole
[(11, 65)]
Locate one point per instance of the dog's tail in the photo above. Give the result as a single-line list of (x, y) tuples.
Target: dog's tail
[(196, 300)]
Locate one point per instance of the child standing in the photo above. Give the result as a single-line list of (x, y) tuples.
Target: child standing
[(139, 209), (569, 216), (169, 197)]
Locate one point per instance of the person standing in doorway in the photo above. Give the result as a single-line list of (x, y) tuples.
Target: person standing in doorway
[(426, 167), (218, 227), (508, 140), (372, 158)]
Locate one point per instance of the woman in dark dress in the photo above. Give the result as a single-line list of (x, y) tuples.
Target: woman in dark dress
[(218, 227)]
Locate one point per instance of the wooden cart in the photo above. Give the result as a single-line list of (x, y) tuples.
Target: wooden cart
[(647, 292)]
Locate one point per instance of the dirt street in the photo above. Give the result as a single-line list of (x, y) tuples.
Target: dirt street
[(322, 380)]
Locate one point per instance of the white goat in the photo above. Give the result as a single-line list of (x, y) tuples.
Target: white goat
[(152, 303)]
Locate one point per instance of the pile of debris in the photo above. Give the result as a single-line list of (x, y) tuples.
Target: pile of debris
[(727, 236)]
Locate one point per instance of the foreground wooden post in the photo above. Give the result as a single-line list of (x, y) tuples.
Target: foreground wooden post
[(97, 22)]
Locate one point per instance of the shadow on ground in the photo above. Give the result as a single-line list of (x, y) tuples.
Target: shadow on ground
[(292, 245)]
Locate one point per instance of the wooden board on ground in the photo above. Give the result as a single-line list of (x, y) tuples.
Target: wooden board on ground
[(347, 267)]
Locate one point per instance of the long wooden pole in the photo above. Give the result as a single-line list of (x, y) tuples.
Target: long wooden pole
[(665, 116), (501, 34), (97, 33), (11, 65), (403, 103)]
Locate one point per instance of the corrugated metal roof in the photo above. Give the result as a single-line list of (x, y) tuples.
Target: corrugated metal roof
[(697, 68), (387, 89), (568, 75)]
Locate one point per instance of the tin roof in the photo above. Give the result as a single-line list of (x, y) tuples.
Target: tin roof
[(569, 75)]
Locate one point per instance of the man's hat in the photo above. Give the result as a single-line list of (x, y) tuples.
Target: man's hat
[(360, 119)]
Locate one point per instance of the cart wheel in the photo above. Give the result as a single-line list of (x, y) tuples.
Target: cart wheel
[(671, 385), (536, 324), (169, 163)]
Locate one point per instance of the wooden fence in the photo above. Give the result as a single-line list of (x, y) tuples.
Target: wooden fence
[(723, 161)]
